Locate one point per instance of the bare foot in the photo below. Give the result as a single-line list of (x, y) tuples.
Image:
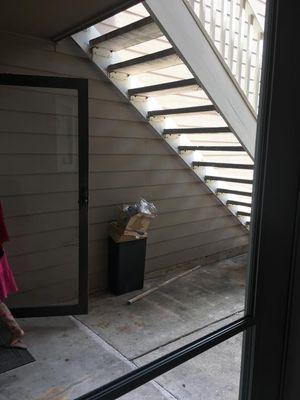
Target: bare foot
[(16, 340)]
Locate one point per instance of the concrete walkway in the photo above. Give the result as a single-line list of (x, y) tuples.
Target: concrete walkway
[(77, 354)]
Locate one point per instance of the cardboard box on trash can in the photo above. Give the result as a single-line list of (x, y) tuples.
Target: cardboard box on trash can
[(136, 224), (119, 235)]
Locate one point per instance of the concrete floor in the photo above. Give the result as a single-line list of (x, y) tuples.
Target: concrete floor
[(77, 354)]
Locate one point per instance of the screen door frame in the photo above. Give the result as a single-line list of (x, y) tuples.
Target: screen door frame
[(81, 86)]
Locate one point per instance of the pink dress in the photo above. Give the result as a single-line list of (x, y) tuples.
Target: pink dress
[(7, 282)]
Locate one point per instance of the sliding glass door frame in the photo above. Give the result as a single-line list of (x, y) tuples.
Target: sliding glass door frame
[(264, 331), (274, 229)]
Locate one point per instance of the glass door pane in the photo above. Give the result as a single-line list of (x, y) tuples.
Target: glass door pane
[(39, 183), (212, 375)]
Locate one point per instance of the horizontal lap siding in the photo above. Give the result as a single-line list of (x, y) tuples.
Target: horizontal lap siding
[(127, 161)]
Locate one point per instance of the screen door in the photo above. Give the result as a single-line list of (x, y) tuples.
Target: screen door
[(44, 192)]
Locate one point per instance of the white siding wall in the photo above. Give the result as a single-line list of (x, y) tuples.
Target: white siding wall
[(127, 160)]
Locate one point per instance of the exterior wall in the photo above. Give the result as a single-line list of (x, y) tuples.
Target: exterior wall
[(127, 160)]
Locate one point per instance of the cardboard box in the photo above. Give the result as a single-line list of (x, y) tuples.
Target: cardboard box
[(119, 235), (137, 224)]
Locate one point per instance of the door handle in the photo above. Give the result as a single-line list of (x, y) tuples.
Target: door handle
[(83, 198)]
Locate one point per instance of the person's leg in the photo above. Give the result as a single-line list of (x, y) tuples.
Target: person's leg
[(16, 332)]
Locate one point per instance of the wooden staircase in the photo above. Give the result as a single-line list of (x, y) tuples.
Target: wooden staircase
[(141, 62)]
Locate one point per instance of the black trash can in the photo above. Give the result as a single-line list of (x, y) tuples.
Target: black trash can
[(126, 265)]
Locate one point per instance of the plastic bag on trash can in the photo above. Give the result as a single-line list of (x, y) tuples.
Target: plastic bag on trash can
[(135, 218), (141, 207)]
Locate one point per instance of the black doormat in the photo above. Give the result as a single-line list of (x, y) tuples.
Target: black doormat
[(11, 358)]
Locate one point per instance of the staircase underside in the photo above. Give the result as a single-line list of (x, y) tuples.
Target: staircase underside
[(141, 62)]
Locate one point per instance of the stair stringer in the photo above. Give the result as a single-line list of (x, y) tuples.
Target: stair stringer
[(200, 55), (122, 83)]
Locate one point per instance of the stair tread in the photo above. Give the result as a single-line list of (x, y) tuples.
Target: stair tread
[(212, 148), (147, 63), (232, 191), (238, 203), (222, 165), (202, 130), (129, 35), (182, 110), (244, 213), (228, 179), (166, 88)]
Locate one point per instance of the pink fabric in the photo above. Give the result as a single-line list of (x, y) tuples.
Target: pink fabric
[(7, 281), (3, 231)]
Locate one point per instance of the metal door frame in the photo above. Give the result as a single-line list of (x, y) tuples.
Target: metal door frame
[(81, 86), (265, 339)]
